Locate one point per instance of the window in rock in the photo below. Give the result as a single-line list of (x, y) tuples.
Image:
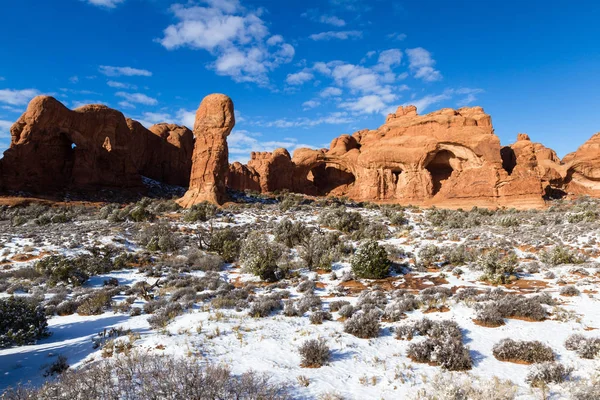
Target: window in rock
[(440, 169)]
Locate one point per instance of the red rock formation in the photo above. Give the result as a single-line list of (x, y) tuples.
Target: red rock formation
[(448, 157), (210, 165), (243, 177), (583, 168), (54, 148)]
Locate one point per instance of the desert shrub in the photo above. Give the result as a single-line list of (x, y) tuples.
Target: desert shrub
[(262, 257), (454, 219), (429, 254), (226, 243), (160, 236), (346, 311), (371, 261), (443, 345), (547, 372), (497, 267), (307, 285), (460, 386), (315, 353), (62, 269), (320, 250), (508, 221), (341, 219), (569, 290), (67, 307), (200, 212), (336, 305), (137, 212), (587, 348), (21, 322), (525, 351), (559, 255), (516, 306), (371, 230), (447, 352), (489, 316), (397, 308), (364, 325), (308, 302), (164, 315), (396, 217), (290, 233), (204, 262), (57, 367), (317, 317), (290, 201), (142, 376), (264, 306), (95, 304)]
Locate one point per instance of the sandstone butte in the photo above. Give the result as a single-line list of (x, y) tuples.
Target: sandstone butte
[(449, 158), (53, 148)]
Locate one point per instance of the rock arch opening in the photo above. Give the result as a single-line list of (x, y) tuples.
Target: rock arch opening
[(66, 153), (509, 159), (440, 168), (330, 178), (396, 172)]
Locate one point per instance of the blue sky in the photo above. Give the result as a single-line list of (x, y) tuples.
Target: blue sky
[(303, 72)]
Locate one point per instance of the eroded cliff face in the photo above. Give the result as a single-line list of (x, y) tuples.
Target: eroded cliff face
[(54, 149), (210, 165), (447, 157), (583, 168)]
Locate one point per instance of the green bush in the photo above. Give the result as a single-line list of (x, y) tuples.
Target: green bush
[(21, 322), (291, 234), (559, 255), (341, 220), (261, 257), (371, 261), (201, 212), (226, 243), (498, 268)]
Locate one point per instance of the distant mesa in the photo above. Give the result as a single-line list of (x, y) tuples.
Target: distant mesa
[(450, 158)]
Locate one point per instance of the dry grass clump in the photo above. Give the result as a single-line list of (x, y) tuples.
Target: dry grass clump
[(548, 372), (364, 325), (587, 348), (460, 386)]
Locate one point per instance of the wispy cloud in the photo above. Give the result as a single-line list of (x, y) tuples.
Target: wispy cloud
[(105, 3), (341, 35), (238, 38), (5, 128), (421, 64), (332, 20), (299, 78), (138, 98), (17, 97), (120, 85), (123, 71), (397, 36)]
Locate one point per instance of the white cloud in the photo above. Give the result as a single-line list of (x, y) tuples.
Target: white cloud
[(299, 78), (120, 85), (470, 96), (155, 118), (123, 71), (424, 102), (421, 64), (366, 104), (17, 97), (2, 78), (335, 118), (187, 118), (307, 105), (138, 98), (332, 20), (341, 35), (5, 128), (126, 104), (105, 3), (74, 79), (397, 36), (239, 39), (331, 92)]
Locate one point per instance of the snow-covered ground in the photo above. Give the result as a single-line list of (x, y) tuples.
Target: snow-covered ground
[(358, 368)]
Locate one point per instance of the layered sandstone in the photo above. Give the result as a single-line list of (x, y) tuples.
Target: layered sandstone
[(54, 148), (210, 165)]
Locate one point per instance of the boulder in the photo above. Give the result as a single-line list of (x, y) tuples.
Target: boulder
[(210, 165)]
